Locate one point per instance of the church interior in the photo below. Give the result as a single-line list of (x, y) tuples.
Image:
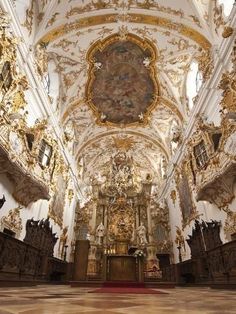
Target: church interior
[(117, 156)]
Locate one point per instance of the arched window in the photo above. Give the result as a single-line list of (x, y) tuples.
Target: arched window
[(227, 6), (193, 83), (45, 153), (46, 83), (5, 77), (52, 87)]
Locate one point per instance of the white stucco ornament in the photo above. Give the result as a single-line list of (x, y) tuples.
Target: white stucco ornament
[(230, 145), (15, 142)]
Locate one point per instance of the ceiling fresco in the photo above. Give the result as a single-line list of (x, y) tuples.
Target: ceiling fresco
[(119, 94), (122, 85)]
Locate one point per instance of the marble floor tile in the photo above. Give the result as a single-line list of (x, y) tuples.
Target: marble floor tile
[(66, 300)]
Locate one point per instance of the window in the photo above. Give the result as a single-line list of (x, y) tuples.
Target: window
[(193, 83), (227, 6), (5, 77), (83, 231), (200, 154), (216, 140), (45, 153), (160, 233), (30, 140), (46, 83)]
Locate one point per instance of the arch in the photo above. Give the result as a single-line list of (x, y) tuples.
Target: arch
[(130, 132), (89, 21)]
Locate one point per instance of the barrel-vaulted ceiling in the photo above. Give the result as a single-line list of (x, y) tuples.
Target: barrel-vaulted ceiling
[(130, 95)]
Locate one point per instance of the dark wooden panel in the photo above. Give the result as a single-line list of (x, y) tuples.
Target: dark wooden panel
[(20, 261), (81, 259), (122, 268)]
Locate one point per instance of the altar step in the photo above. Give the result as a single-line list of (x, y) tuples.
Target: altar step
[(86, 284), (149, 284), (160, 285), (125, 284)]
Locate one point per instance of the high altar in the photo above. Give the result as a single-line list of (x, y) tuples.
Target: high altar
[(122, 244)]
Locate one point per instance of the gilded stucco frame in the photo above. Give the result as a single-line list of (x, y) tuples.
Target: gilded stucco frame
[(101, 45)]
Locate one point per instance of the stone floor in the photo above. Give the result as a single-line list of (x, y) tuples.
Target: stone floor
[(67, 300)]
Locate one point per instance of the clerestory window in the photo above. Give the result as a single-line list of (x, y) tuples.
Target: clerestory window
[(200, 154), (5, 77), (193, 83), (45, 154)]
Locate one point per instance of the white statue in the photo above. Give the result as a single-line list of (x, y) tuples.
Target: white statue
[(176, 133), (98, 65), (41, 59), (163, 167), (141, 231), (100, 233), (146, 62)]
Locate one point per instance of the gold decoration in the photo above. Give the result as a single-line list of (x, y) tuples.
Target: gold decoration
[(59, 184), (214, 175), (160, 214), (228, 85), (123, 5), (123, 143), (70, 195), (155, 142), (122, 177), (28, 23), (19, 144), (83, 214), (179, 239), (161, 224), (205, 63), (52, 20), (160, 100), (100, 46), (41, 58), (173, 196), (218, 15), (135, 18), (62, 242), (13, 221), (186, 203), (121, 221), (13, 83), (230, 223), (228, 31)]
